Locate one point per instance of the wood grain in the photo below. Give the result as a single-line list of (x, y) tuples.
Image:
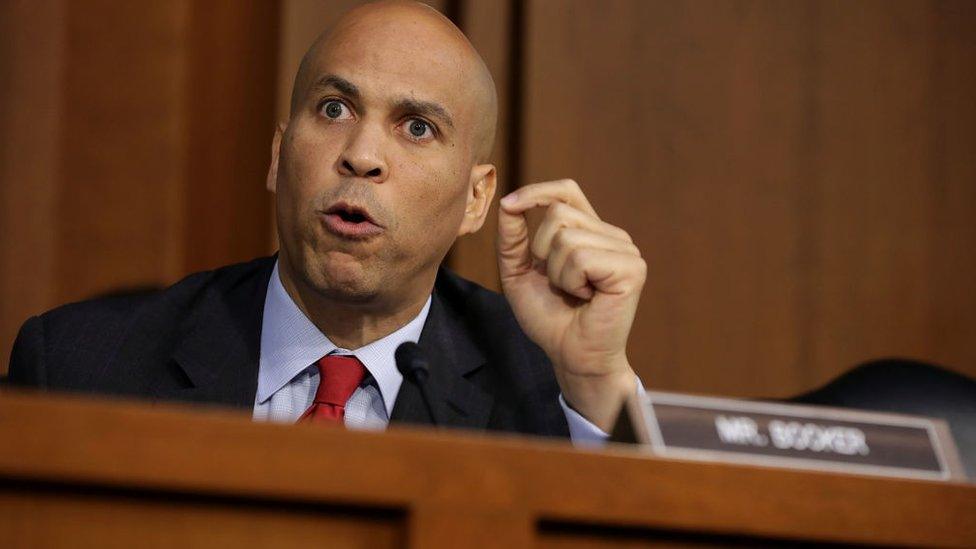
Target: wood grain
[(484, 482), (494, 29), (119, 209), (135, 145), (229, 117), (87, 518), (799, 176), (30, 122)]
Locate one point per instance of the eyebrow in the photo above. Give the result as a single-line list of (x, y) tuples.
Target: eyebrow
[(339, 83), (405, 104), (424, 108)]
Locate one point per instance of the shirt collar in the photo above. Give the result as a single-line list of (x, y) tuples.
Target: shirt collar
[(290, 343)]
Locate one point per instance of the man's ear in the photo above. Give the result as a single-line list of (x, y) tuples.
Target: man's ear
[(481, 189), (272, 181)]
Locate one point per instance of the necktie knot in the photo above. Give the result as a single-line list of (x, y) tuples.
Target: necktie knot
[(339, 376)]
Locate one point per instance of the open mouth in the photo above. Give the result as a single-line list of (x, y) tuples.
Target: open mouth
[(350, 213), (351, 217), (350, 221)]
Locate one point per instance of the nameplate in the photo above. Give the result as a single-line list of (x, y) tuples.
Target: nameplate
[(793, 436)]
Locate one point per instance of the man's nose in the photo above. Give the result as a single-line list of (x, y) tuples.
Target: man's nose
[(363, 155)]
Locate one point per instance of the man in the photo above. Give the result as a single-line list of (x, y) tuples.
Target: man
[(381, 165)]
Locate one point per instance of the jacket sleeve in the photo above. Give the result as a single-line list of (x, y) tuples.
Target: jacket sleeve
[(27, 368)]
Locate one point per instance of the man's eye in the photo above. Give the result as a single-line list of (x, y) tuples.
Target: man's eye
[(335, 110), (419, 129)]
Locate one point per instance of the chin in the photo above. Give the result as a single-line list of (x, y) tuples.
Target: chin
[(342, 277)]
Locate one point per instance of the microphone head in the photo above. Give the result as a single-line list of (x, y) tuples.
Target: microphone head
[(412, 362)]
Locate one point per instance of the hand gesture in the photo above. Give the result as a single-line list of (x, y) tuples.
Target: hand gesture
[(574, 288)]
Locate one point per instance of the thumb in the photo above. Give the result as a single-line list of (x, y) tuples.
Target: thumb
[(514, 257)]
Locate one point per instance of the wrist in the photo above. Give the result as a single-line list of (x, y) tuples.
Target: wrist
[(598, 397)]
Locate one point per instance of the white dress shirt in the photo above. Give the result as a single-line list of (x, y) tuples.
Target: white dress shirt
[(287, 377)]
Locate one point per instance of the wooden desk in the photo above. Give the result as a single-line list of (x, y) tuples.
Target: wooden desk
[(86, 473)]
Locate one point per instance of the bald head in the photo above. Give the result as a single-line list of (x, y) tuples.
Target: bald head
[(416, 33)]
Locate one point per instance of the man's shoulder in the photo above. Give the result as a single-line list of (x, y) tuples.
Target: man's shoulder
[(469, 298), (517, 373), (488, 317), (122, 305), (457, 288), (63, 347)]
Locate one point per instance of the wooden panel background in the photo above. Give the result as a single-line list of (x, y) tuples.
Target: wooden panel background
[(134, 145), (800, 175), (30, 124)]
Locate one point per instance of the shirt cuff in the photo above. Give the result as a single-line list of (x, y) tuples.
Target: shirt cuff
[(582, 432)]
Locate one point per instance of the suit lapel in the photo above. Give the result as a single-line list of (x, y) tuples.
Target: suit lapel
[(219, 349), (453, 355), (216, 356)]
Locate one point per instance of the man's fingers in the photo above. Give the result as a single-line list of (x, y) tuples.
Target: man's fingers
[(559, 216), (606, 271), (567, 211), (514, 257), (568, 239), (546, 193)]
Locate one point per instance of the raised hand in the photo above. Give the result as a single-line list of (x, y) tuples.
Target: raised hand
[(574, 288)]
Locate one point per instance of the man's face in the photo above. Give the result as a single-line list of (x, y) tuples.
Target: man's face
[(375, 166)]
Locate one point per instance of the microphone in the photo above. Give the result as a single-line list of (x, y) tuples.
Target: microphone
[(413, 364)]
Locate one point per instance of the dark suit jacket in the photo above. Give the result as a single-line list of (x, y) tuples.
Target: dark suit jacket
[(198, 341)]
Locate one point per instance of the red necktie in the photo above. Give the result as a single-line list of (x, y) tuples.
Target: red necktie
[(339, 376)]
